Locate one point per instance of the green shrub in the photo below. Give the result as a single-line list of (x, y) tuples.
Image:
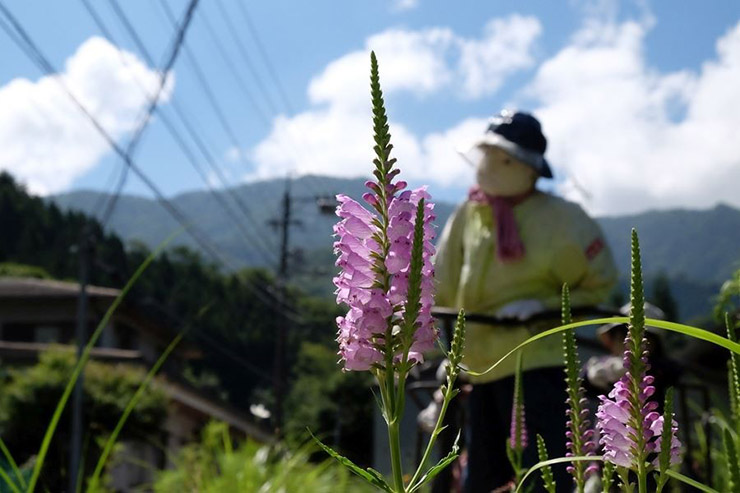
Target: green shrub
[(214, 465), (30, 395)]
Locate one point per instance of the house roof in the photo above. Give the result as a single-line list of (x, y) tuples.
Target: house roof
[(24, 287), (198, 402), (13, 351)]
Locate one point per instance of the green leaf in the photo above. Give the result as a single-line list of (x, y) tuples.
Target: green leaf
[(694, 332), (552, 462), (699, 486), (439, 467), (370, 475)]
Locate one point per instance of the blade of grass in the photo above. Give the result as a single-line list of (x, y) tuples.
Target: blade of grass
[(12, 463), (51, 428), (93, 483), (673, 327), (559, 460), (8, 481)]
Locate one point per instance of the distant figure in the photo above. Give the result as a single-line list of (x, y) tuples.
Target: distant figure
[(601, 372), (507, 251)]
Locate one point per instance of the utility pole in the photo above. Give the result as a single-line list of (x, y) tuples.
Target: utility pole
[(325, 205), (282, 321), (85, 250)]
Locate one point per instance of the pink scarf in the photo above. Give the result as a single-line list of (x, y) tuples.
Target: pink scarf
[(509, 246)]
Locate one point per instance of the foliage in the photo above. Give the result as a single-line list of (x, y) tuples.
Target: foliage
[(728, 299), (215, 465), (662, 297), (30, 396), (11, 269), (336, 406)]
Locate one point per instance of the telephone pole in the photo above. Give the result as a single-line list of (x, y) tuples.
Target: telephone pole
[(85, 251), (279, 370), (283, 224)]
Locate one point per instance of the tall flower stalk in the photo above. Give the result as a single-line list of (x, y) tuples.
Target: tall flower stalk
[(518, 437), (387, 281), (631, 429), (578, 427), (548, 479)]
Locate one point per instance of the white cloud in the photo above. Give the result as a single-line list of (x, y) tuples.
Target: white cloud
[(630, 136), (45, 141), (335, 136), (504, 49), (412, 61), (636, 138)]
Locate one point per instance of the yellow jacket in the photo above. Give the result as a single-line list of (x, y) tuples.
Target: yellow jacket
[(562, 245)]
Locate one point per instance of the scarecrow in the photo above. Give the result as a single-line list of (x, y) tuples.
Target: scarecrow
[(506, 252)]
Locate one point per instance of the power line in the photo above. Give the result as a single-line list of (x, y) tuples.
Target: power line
[(153, 102), (29, 47), (167, 16), (263, 53), (231, 65), (241, 48), (262, 247), (203, 81), (245, 56)]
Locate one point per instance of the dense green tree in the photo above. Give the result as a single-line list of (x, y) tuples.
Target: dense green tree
[(662, 297)]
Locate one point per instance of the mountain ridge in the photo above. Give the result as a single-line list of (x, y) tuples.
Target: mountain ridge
[(696, 249)]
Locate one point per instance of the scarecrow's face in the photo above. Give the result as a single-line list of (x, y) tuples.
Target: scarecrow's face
[(499, 174)]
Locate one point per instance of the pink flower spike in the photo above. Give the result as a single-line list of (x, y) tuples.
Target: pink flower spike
[(373, 310)]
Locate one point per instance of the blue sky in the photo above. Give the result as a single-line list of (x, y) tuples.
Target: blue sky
[(638, 99)]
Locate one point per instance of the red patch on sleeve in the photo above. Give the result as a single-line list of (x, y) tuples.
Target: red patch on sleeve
[(594, 248)]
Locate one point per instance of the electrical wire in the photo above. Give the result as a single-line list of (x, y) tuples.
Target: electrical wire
[(261, 245), (174, 51), (263, 54), (241, 48), (28, 46)]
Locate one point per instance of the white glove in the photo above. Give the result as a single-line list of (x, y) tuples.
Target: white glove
[(603, 371), (520, 309)]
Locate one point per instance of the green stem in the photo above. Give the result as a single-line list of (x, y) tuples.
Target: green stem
[(642, 477), (394, 441), (449, 394), (390, 403)]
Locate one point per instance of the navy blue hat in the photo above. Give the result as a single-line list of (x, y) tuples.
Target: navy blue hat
[(519, 134)]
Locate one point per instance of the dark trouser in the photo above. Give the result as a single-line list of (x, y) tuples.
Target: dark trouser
[(489, 419)]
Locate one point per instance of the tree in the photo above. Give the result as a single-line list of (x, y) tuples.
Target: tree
[(663, 298)]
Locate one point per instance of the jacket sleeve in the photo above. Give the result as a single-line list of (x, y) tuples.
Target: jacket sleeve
[(583, 260), (448, 262)]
